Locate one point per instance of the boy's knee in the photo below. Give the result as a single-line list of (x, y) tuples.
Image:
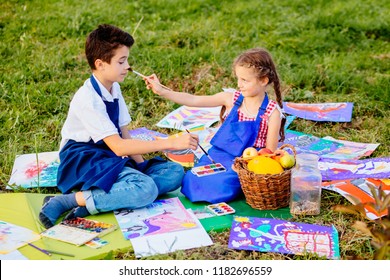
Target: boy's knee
[(177, 169), (148, 192)]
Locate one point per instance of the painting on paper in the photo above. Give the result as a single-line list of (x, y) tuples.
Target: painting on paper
[(306, 143), (333, 169), (162, 216), (325, 112), (35, 170), (12, 237), (358, 191), (281, 236), (350, 150), (190, 118), (145, 134)]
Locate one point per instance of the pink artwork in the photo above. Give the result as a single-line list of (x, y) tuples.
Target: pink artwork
[(35, 170), (331, 112), (162, 216)]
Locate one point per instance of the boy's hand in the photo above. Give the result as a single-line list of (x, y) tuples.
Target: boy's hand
[(185, 141)]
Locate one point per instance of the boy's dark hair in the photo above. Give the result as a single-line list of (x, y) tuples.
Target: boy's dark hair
[(103, 41)]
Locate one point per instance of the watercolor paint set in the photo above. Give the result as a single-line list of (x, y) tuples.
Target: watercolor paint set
[(78, 231), (221, 209), (209, 169)]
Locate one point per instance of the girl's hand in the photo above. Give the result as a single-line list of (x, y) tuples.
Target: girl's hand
[(185, 141), (153, 83)]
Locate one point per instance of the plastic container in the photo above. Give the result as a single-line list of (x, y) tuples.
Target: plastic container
[(306, 178)]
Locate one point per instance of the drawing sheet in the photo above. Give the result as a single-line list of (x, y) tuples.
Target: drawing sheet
[(307, 143), (186, 117), (146, 134), (350, 150), (357, 191), (162, 216), (35, 170), (330, 112), (13, 236), (282, 236), (334, 169), (168, 242)]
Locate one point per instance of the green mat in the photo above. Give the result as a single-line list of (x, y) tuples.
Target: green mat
[(22, 209)]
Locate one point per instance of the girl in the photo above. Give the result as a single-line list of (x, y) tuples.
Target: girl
[(249, 118), (101, 167)]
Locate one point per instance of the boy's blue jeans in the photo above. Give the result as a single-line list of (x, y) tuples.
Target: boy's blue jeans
[(134, 189)]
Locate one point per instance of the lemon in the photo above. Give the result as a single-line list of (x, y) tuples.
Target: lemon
[(264, 165)]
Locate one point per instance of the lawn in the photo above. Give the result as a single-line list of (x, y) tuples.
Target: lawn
[(325, 51)]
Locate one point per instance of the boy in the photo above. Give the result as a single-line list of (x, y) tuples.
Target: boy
[(98, 158)]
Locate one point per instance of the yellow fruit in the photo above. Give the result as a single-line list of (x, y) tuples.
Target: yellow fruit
[(264, 165)]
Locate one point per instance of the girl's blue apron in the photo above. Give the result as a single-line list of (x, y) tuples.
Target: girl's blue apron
[(228, 143), (86, 165)]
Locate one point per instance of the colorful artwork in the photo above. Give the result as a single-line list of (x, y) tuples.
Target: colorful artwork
[(145, 134), (306, 143), (205, 136), (190, 118), (289, 120), (162, 216), (188, 157), (168, 242), (12, 237), (329, 112), (350, 150), (35, 170), (280, 236), (358, 191), (333, 169)]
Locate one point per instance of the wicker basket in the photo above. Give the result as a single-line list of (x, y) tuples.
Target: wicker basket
[(264, 192)]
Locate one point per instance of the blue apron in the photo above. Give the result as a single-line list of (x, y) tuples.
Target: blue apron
[(228, 143), (87, 165)]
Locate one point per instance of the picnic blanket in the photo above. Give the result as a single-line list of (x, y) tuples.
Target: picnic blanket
[(22, 209)]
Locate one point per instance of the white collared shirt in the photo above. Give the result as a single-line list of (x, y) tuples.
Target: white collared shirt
[(87, 116)]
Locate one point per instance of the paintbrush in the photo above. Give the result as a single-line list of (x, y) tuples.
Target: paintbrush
[(144, 77), (204, 151)]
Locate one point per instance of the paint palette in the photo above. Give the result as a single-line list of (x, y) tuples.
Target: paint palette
[(210, 169), (221, 208)]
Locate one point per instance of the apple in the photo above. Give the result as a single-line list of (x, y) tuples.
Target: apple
[(249, 152), (284, 158), (264, 152), (287, 161)]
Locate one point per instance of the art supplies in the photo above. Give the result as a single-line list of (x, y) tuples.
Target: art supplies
[(40, 249), (12, 237), (78, 231), (204, 151), (143, 77), (221, 209), (210, 169), (59, 253), (281, 236)]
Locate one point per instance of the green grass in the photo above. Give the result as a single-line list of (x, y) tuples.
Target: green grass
[(326, 51)]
